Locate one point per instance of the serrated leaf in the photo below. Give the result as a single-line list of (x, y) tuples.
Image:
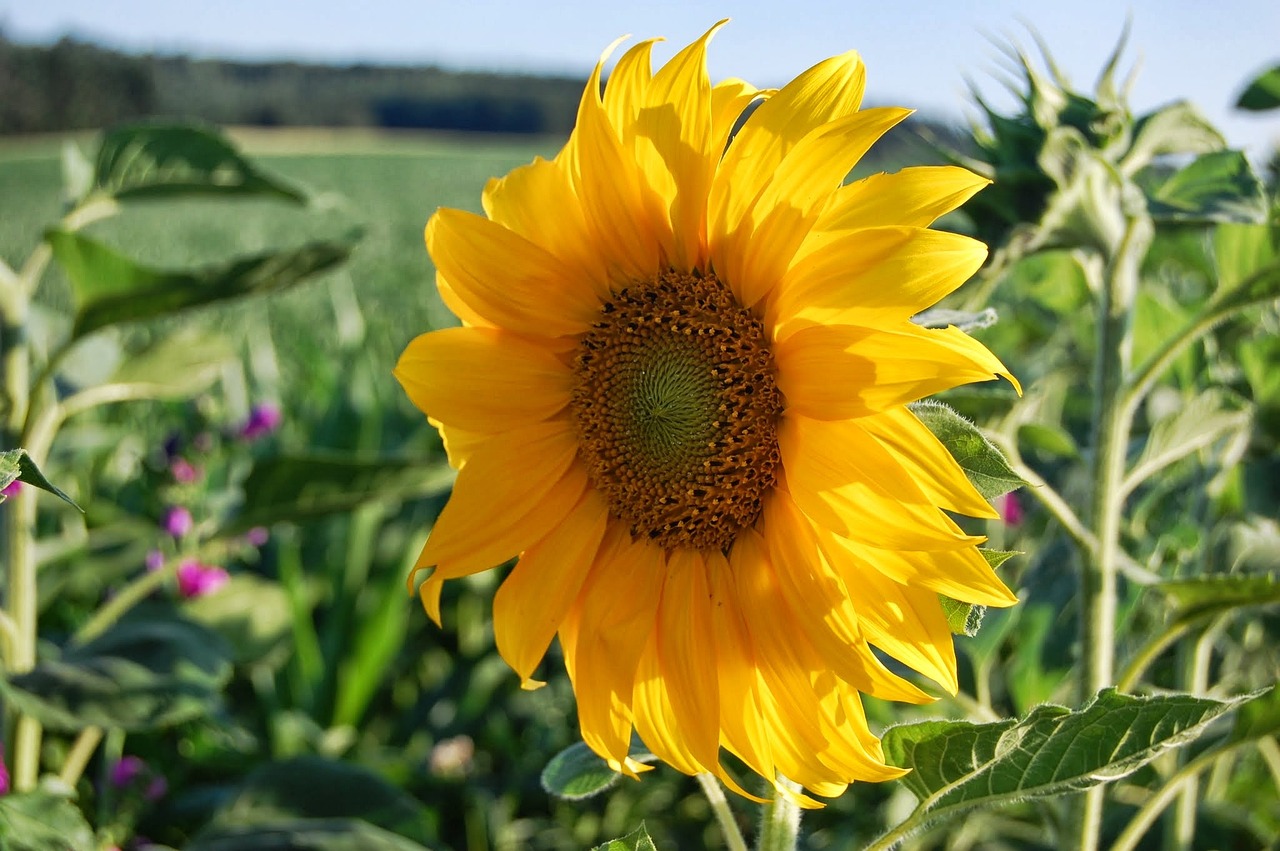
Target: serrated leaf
[(1215, 187), (983, 464), (1263, 93), (1202, 596), (162, 160), (178, 366), (958, 765), (16, 465), (327, 834), (296, 487), (1178, 128), (144, 673), (313, 788), (577, 773), (966, 321), (636, 840), (110, 288), (42, 821), (1198, 424)]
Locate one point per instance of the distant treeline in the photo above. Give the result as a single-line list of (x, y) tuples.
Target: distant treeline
[(73, 85)]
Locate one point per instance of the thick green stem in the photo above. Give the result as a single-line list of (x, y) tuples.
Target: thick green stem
[(728, 824), (1112, 421), (780, 821)]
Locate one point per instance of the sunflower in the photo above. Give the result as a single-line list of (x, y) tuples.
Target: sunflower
[(679, 397)]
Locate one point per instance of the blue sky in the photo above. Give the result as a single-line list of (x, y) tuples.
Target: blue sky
[(918, 54)]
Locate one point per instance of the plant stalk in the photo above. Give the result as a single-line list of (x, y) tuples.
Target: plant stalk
[(780, 821), (724, 815)]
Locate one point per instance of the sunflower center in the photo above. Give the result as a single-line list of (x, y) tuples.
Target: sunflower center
[(677, 410)]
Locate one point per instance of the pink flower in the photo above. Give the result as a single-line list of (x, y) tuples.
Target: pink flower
[(154, 561), (264, 418), (126, 770), (257, 536), (11, 489), (1011, 509), (178, 522), (4, 772), (184, 473), (196, 579)]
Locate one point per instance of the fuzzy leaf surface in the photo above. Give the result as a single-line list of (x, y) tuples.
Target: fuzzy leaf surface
[(16, 465), (983, 464)]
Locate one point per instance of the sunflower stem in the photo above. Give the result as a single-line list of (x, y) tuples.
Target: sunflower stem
[(1112, 422), (780, 821), (720, 806)]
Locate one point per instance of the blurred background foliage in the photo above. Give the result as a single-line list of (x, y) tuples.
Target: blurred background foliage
[(300, 698)]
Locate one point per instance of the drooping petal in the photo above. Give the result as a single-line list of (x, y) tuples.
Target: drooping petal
[(617, 611), (533, 600), (913, 197), (839, 372), (483, 379), (507, 279), (493, 516), (875, 276)]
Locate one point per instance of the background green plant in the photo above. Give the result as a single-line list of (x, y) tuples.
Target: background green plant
[(312, 671)]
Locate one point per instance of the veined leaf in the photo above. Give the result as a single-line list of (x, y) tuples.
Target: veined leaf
[(1263, 93), (16, 465), (983, 464), (294, 487), (636, 840), (1178, 128), (958, 765), (159, 160), (577, 773), (1199, 423), (326, 834), (41, 821), (1202, 596), (110, 288), (1214, 187)]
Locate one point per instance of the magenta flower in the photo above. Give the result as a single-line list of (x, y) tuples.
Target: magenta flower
[(1011, 509), (126, 770), (196, 579), (184, 472), (11, 489), (4, 772), (178, 522), (264, 418), (154, 561)]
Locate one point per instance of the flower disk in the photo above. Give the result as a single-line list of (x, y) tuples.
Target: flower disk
[(678, 398)]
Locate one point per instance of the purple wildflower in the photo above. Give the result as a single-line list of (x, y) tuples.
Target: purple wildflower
[(257, 536), (264, 418), (196, 579), (11, 489), (1011, 509), (126, 770), (154, 561), (178, 522)]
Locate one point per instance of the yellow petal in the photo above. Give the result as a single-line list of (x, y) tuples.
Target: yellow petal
[(927, 462), (458, 307), (493, 515), (844, 480), (533, 600), (875, 276), (728, 100), (841, 372), (483, 379), (616, 612), (459, 444), (914, 197), (506, 278), (624, 93), (520, 201)]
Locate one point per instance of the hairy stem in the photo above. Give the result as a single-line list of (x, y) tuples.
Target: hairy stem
[(728, 825), (780, 821)]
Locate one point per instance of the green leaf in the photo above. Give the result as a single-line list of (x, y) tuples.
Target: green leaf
[(1216, 187), (320, 834), (1052, 440), (110, 288), (966, 618), (250, 613), (158, 160), (311, 787), (577, 773), (42, 821), (958, 765), (1178, 128), (16, 465), (1203, 596), (1199, 423), (636, 840), (296, 487), (1263, 93), (178, 366), (1243, 250), (986, 467), (1259, 717), (150, 671)]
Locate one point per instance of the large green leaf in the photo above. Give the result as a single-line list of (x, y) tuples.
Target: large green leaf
[(16, 465), (1178, 128), (1263, 93), (1203, 596), (958, 765), (319, 834), (311, 787), (577, 773), (1241, 251), (1214, 187), (110, 288), (41, 821), (296, 487), (164, 160), (1198, 424), (636, 840), (151, 671), (986, 467)]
